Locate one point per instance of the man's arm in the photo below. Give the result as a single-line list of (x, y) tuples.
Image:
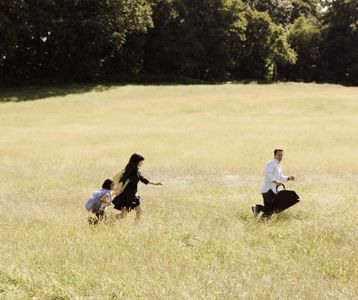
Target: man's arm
[(287, 178), (269, 170), (284, 178)]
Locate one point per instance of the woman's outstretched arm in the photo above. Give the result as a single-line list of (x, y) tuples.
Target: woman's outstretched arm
[(146, 181), (155, 183)]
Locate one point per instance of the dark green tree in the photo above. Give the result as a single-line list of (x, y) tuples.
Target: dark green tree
[(305, 39), (69, 40), (14, 29), (340, 42), (195, 38), (280, 11), (265, 47), (305, 8)]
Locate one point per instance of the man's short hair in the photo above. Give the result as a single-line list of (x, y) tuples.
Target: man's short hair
[(277, 150)]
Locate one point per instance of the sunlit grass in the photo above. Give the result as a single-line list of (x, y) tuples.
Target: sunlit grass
[(198, 239)]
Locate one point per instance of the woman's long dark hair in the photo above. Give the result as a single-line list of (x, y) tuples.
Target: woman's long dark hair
[(132, 166)]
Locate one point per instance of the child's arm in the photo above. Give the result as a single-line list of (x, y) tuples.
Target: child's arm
[(105, 199)]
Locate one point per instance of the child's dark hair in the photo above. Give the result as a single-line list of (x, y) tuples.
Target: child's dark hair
[(107, 184)]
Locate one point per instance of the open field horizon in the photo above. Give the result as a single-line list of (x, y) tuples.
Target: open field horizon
[(198, 238)]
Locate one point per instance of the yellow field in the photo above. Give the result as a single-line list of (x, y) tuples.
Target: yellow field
[(198, 238)]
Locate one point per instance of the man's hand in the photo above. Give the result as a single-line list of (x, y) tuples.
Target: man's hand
[(278, 183), (292, 178)]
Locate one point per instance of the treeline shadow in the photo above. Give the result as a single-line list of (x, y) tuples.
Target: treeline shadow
[(31, 93)]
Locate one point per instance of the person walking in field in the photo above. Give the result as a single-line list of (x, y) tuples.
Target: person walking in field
[(273, 179), (99, 201), (127, 182)]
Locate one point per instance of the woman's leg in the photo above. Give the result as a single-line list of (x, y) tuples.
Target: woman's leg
[(139, 211), (124, 212)]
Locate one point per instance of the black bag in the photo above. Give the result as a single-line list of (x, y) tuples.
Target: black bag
[(284, 199)]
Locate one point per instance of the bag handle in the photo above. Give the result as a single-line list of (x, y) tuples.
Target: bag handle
[(278, 187)]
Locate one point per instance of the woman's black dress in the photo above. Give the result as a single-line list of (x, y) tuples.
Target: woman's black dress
[(128, 197)]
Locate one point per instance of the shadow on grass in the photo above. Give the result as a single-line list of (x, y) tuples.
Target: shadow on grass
[(40, 92), (287, 216), (30, 93)]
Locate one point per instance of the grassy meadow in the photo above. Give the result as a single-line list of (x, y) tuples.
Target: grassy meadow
[(198, 238)]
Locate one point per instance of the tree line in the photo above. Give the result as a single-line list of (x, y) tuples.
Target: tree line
[(70, 41)]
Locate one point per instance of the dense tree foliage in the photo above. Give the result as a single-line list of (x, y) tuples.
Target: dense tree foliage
[(339, 49), (65, 40), (195, 38), (60, 41), (305, 39)]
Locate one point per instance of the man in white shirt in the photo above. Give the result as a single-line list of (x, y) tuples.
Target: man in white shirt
[(273, 179)]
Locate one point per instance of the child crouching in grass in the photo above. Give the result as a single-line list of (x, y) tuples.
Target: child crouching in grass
[(99, 201)]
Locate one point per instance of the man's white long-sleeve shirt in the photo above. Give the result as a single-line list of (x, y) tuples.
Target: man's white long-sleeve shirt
[(273, 171)]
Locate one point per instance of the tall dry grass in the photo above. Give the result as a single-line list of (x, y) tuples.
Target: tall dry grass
[(198, 238)]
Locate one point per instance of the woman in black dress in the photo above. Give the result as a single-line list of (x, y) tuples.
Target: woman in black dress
[(127, 199)]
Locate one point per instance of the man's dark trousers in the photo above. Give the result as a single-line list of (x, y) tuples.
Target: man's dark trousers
[(267, 208)]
